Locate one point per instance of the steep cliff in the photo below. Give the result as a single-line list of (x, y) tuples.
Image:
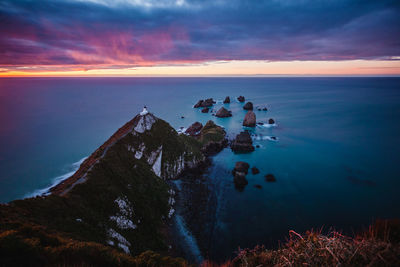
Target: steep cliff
[(118, 197)]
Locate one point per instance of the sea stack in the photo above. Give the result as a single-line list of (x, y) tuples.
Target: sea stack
[(239, 173), (250, 119), (227, 100), (204, 103), (241, 98), (271, 121), (194, 129), (223, 113), (242, 143), (248, 106)]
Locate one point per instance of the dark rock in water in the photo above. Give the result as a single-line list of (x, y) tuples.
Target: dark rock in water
[(241, 99), (240, 181), (257, 146), (273, 138), (242, 143), (260, 123), (254, 170), (208, 102), (270, 178), (259, 109), (204, 103), (258, 186), (199, 104), (271, 121), (248, 106), (227, 100), (205, 110), (241, 167), (265, 109), (194, 129), (182, 117), (223, 113), (250, 119)]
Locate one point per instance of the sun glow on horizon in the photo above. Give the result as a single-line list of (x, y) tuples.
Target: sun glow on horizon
[(219, 68)]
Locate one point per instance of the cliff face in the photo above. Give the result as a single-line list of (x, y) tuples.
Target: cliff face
[(118, 197)]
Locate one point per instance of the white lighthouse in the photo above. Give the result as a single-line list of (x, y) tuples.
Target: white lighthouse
[(144, 112)]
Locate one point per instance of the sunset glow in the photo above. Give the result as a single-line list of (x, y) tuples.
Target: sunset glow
[(191, 38)]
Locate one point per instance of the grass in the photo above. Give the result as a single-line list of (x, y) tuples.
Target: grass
[(379, 246)]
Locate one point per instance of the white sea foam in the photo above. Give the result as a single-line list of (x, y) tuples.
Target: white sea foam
[(267, 125), (55, 181), (263, 138)]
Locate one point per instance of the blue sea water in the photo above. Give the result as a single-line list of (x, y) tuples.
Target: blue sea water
[(336, 160)]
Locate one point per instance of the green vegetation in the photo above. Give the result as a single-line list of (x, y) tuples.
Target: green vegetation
[(211, 133), (82, 226)]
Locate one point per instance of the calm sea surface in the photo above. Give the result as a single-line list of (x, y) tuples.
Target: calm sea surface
[(336, 161)]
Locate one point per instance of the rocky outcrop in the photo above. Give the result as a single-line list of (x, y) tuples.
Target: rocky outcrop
[(204, 103), (223, 113), (250, 119), (241, 99), (241, 167), (227, 100), (212, 138), (205, 110), (271, 121), (242, 143), (239, 173), (194, 129), (248, 106)]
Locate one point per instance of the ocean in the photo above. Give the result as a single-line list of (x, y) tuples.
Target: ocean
[(336, 158)]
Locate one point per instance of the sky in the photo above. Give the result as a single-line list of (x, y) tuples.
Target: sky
[(199, 37)]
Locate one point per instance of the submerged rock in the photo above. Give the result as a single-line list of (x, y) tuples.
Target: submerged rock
[(223, 113), (205, 110), (248, 106), (194, 129), (270, 178), (250, 119), (271, 121), (255, 170), (227, 100), (258, 186), (242, 143), (241, 98)]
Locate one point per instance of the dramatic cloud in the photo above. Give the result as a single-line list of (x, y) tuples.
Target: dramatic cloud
[(87, 33)]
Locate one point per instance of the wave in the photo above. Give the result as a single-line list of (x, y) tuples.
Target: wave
[(267, 125), (55, 181), (269, 138)]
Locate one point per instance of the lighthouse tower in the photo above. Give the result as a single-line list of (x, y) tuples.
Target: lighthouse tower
[(144, 112)]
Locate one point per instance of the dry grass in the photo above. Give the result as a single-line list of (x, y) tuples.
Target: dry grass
[(379, 246)]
